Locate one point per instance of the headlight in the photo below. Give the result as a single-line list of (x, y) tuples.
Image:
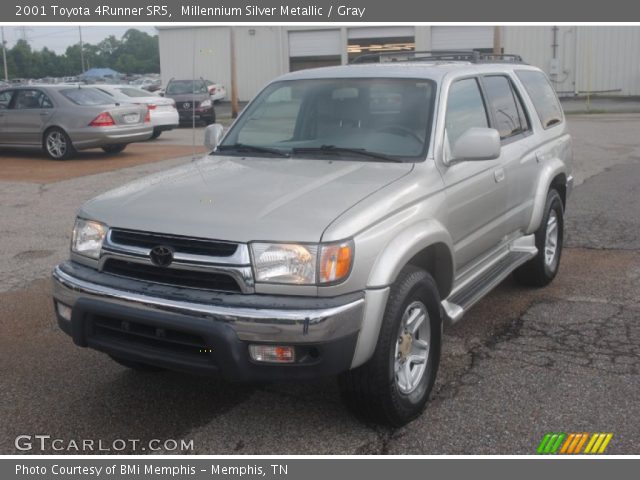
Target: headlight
[(205, 104), (301, 264), (87, 238)]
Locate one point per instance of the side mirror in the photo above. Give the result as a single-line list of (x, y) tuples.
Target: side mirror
[(161, 93), (476, 144), (213, 135)]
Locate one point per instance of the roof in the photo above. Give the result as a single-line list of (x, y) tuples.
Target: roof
[(428, 70)]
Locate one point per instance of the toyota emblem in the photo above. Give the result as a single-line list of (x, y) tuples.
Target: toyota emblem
[(186, 105), (161, 256)]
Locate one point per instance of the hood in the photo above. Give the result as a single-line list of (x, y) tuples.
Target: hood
[(244, 199)]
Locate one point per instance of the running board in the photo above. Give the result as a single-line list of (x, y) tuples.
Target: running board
[(466, 295)]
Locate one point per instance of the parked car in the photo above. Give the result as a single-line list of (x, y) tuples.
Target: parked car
[(216, 90), (346, 215), (62, 119), (192, 100), (164, 115), (149, 84)]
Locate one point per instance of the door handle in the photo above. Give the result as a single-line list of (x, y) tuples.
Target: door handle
[(498, 175)]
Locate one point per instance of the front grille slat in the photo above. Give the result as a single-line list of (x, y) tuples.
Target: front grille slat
[(170, 276), (194, 246)]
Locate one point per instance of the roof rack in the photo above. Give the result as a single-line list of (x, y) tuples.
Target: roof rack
[(471, 56)]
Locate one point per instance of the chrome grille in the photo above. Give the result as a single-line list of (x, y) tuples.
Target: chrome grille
[(197, 262)]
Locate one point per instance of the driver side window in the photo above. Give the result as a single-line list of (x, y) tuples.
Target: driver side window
[(465, 109)]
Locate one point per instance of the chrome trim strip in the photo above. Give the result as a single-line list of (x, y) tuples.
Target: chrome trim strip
[(252, 324)]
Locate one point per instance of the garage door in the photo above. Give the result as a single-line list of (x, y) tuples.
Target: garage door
[(315, 43), (461, 38), (381, 32)]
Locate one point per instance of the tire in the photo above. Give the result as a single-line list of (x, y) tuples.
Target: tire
[(378, 391), (138, 366), (57, 144), (156, 133), (542, 269), (113, 149)]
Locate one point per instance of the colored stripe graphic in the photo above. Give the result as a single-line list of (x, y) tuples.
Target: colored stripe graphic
[(572, 443)]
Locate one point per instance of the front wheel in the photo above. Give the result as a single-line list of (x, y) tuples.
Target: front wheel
[(112, 149), (57, 144), (542, 269), (393, 387)]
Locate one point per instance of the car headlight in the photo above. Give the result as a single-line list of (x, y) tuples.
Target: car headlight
[(205, 104), (87, 238), (302, 264)]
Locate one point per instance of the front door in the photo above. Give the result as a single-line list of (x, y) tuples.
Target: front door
[(30, 110)]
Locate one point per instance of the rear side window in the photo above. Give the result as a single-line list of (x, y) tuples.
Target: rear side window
[(507, 112), (86, 96), (465, 109), (543, 97)]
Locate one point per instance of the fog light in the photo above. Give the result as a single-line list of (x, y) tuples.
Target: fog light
[(64, 311), (272, 353)]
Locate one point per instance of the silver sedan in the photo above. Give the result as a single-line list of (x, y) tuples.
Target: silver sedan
[(62, 119)]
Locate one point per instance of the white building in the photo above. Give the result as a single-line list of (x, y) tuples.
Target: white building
[(578, 59)]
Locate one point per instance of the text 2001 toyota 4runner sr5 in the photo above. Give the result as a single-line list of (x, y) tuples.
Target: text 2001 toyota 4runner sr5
[(344, 217)]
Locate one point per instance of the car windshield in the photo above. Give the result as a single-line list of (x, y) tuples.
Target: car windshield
[(182, 87), (385, 116), (86, 96)]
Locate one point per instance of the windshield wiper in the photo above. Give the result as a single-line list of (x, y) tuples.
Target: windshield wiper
[(241, 147), (333, 150)]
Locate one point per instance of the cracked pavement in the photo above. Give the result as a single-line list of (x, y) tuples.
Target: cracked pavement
[(523, 362)]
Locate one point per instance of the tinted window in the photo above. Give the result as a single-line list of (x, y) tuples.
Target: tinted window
[(543, 97), (86, 96), (27, 99), (508, 117), (5, 98), (465, 109), (185, 87)]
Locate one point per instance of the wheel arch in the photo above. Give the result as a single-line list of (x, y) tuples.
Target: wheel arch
[(553, 175)]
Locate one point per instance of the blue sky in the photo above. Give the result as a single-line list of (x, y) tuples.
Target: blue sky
[(58, 38)]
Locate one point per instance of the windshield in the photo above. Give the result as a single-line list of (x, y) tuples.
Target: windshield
[(182, 87), (390, 117)]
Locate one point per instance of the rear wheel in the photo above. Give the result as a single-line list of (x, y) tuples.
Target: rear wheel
[(542, 269), (141, 367), (156, 133), (57, 144), (393, 387), (117, 148)]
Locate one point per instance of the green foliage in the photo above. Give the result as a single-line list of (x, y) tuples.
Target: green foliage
[(135, 52)]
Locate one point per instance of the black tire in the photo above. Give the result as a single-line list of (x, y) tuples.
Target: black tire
[(372, 391), (140, 367), (156, 133), (539, 271), (113, 149), (57, 144)]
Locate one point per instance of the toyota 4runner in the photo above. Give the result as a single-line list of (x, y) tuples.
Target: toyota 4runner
[(345, 216)]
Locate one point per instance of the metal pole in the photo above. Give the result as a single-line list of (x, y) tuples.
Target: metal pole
[(497, 42), (234, 79), (4, 56), (81, 50)]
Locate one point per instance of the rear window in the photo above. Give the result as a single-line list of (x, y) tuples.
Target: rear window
[(86, 96), (134, 92), (543, 96)]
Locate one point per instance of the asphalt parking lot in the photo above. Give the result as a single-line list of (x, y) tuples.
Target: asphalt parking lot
[(522, 363)]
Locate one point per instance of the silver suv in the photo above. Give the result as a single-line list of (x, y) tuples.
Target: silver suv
[(346, 215)]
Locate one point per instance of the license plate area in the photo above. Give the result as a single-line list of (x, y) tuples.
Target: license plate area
[(131, 118)]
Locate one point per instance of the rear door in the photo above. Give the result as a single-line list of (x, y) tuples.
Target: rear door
[(517, 159), (29, 112), (5, 101)]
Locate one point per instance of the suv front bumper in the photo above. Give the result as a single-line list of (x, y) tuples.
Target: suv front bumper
[(204, 332)]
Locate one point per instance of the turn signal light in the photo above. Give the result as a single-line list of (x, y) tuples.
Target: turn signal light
[(147, 117), (272, 353), (335, 262), (103, 120)]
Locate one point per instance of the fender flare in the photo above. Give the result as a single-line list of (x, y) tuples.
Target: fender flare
[(551, 170)]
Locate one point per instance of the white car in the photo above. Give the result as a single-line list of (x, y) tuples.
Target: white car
[(164, 115), (216, 90)]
